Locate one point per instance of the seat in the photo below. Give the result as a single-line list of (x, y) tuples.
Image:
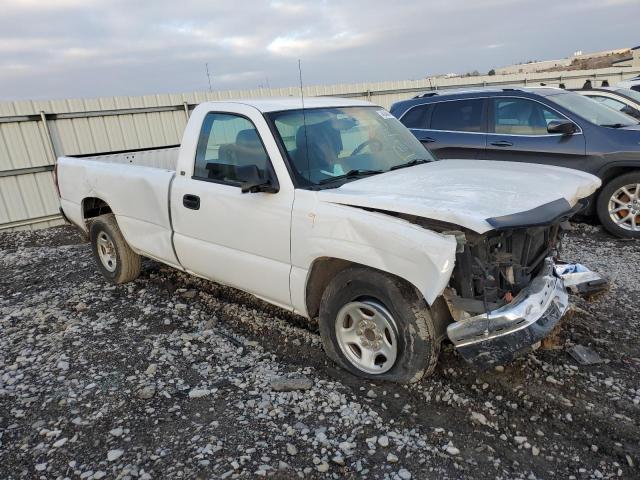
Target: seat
[(249, 150), (530, 119), (225, 165), (227, 154), (537, 121), (317, 148), (521, 118)]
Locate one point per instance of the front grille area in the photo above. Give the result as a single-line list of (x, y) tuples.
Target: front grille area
[(494, 267)]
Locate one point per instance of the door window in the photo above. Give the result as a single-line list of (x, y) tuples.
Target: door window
[(458, 116), (519, 116), (228, 144), (416, 117)]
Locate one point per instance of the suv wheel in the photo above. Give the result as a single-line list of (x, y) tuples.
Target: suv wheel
[(376, 326), (619, 206)]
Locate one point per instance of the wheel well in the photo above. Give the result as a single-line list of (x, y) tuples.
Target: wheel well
[(321, 273), (93, 207), (324, 269), (616, 172)]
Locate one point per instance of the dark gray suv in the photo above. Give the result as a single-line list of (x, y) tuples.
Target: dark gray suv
[(538, 125)]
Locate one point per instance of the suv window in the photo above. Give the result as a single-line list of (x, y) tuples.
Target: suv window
[(225, 145), (519, 116), (609, 102), (416, 117), (458, 116)]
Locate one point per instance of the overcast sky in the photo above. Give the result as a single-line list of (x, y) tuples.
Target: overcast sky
[(88, 48)]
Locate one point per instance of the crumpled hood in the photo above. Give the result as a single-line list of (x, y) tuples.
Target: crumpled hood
[(465, 192)]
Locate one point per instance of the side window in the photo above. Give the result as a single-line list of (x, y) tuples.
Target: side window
[(458, 116), (519, 116), (416, 117), (228, 144), (609, 102)]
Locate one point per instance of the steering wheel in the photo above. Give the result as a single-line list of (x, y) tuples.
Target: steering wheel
[(363, 145)]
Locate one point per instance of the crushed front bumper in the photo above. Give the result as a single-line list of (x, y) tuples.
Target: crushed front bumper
[(499, 336)]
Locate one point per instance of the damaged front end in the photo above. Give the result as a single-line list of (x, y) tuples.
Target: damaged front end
[(507, 293), (499, 335), (508, 289)]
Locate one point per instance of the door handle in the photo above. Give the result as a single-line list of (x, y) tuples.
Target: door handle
[(191, 201), (427, 140), (502, 143)]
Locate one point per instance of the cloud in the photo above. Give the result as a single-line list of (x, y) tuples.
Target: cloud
[(69, 48), (301, 45), (46, 5), (288, 7)]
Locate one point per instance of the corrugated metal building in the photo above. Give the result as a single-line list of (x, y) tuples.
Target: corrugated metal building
[(33, 133)]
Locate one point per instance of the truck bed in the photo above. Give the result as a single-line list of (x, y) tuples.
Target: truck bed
[(135, 184), (164, 158)]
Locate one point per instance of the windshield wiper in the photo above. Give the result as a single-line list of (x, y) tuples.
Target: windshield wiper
[(614, 125), (411, 163), (356, 173)]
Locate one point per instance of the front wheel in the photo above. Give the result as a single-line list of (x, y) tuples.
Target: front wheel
[(619, 206), (376, 326)]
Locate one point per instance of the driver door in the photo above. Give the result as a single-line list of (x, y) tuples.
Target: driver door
[(234, 238), (518, 133)]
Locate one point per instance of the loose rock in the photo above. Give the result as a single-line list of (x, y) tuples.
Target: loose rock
[(113, 455), (147, 392), (290, 384)]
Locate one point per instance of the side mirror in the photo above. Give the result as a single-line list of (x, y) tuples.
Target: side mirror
[(251, 181), (565, 127)]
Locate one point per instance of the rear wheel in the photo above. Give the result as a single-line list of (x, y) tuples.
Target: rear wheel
[(376, 326), (619, 206), (115, 259)]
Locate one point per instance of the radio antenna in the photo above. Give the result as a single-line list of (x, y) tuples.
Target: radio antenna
[(206, 66), (304, 121)]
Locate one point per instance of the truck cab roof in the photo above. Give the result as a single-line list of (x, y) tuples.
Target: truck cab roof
[(291, 103)]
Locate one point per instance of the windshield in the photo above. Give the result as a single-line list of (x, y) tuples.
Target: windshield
[(345, 143), (629, 93), (592, 111)]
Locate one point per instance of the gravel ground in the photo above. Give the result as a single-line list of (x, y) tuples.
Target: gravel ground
[(174, 377)]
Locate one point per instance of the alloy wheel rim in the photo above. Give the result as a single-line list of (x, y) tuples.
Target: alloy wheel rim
[(106, 252), (624, 207), (366, 334)]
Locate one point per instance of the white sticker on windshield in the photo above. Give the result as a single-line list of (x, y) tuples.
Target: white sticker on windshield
[(384, 114)]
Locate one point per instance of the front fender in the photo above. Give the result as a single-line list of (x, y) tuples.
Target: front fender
[(422, 257)]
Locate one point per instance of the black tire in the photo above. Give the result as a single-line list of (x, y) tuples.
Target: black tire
[(127, 264), (605, 196), (417, 347)]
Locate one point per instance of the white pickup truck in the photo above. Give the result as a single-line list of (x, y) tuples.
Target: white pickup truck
[(335, 211)]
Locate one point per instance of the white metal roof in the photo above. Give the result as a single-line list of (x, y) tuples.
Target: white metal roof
[(295, 103)]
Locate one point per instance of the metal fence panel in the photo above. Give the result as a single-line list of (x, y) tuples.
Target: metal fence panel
[(107, 124), (28, 199)]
